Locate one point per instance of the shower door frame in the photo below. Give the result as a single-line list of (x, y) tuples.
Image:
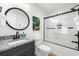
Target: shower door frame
[(45, 28)]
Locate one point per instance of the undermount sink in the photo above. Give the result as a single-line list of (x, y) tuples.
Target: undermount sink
[(17, 42)]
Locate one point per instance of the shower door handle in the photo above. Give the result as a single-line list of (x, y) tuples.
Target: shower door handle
[(76, 35), (75, 42)]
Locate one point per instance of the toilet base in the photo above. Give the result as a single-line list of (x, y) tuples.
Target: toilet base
[(41, 53)]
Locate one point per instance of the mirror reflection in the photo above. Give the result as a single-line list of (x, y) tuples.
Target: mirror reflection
[(17, 18)]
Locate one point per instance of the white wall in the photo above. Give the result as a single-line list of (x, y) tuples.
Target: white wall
[(36, 11)]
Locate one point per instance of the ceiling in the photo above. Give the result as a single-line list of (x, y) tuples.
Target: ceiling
[(51, 7)]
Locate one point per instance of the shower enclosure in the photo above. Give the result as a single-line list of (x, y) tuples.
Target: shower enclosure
[(62, 30)]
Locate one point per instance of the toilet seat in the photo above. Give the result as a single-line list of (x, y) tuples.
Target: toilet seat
[(44, 48)]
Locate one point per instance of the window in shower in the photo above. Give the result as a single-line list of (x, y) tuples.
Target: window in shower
[(61, 30)]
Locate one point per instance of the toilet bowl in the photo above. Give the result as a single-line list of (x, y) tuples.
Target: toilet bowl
[(43, 50)]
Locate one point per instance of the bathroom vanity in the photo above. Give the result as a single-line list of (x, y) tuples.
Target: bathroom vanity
[(27, 48)]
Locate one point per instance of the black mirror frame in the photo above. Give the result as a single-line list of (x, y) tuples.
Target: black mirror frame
[(23, 12)]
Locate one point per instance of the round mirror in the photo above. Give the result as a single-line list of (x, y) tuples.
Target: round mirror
[(17, 19)]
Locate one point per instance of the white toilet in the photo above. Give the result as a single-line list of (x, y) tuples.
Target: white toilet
[(41, 48)]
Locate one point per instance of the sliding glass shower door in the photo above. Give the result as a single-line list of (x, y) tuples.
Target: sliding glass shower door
[(61, 30)]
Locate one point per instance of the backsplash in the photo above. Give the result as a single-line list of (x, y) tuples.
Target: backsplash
[(22, 36)]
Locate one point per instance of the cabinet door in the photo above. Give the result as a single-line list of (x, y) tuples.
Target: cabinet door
[(31, 52)]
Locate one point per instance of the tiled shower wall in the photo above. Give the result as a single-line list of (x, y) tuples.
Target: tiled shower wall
[(55, 35)]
